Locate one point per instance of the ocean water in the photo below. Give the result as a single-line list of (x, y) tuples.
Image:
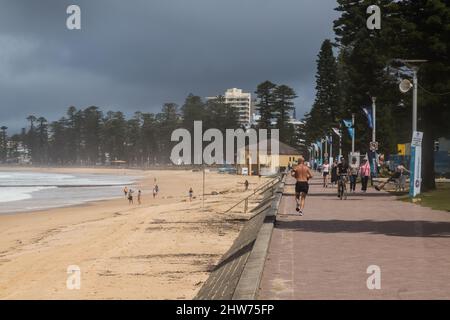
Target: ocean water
[(29, 191)]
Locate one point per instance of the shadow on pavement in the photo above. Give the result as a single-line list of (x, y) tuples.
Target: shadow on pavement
[(390, 228), (350, 195)]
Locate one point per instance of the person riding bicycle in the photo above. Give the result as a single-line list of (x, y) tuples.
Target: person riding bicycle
[(342, 173)]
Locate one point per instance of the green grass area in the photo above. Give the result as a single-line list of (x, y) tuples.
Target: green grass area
[(438, 199)]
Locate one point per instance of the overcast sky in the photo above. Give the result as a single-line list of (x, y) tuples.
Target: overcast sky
[(136, 55)]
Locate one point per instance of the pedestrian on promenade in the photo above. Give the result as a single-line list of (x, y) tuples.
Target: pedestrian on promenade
[(342, 171), (395, 177), (353, 175), (365, 174), (302, 174), (334, 176), (246, 185), (403, 173), (326, 173)]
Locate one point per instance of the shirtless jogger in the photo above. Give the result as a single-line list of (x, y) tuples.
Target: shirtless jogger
[(302, 174)]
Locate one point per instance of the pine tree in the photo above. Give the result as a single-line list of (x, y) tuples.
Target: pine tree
[(363, 60), (192, 110), (42, 140), (169, 120), (283, 104), (265, 103), (326, 111)]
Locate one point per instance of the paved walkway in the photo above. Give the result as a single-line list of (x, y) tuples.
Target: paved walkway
[(326, 253)]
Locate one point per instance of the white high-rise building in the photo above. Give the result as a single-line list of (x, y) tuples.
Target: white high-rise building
[(242, 102)]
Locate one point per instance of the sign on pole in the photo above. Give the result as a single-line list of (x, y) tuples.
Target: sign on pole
[(374, 146), (416, 164)]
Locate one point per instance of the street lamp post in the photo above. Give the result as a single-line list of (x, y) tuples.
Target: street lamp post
[(415, 85), (416, 144), (203, 198), (414, 66), (374, 120)]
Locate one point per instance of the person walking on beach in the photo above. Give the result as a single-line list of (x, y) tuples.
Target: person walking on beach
[(365, 174), (326, 173), (246, 185), (125, 191), (155, 190), (353, 175), (130, 197), (302, 174), (191, 194), (139, 197)]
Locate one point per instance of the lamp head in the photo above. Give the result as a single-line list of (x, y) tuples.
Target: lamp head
[(405, 85)]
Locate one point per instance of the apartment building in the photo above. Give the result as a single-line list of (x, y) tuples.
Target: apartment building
[(240, 100)]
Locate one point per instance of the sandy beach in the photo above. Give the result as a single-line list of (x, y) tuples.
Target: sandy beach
[(161, 249)]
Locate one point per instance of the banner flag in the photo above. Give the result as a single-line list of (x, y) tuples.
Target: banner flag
[(336, 131), (348, 123), (319, 144), (369, 114)]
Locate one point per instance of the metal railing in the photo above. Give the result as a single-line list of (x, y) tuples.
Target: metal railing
[(266, 186)]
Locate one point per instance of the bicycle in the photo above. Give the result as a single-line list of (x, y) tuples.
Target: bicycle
[(342, 187)]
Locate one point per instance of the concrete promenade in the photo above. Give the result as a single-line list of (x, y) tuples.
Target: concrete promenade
[(325, 254)]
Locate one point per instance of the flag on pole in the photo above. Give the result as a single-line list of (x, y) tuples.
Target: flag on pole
[(336, 131), (349, 125), (316, 147), (319, 144), (369, 114)]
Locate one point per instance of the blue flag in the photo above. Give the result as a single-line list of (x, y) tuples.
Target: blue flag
[(369, 114), (349, 125), (319, 144), (351, 132)]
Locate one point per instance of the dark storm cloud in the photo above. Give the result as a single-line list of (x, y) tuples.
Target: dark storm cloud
[(136, 55)]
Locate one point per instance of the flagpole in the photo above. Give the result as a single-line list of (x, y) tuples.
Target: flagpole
[(331, 145), (321, 152), (340, 141), (353, 136)]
